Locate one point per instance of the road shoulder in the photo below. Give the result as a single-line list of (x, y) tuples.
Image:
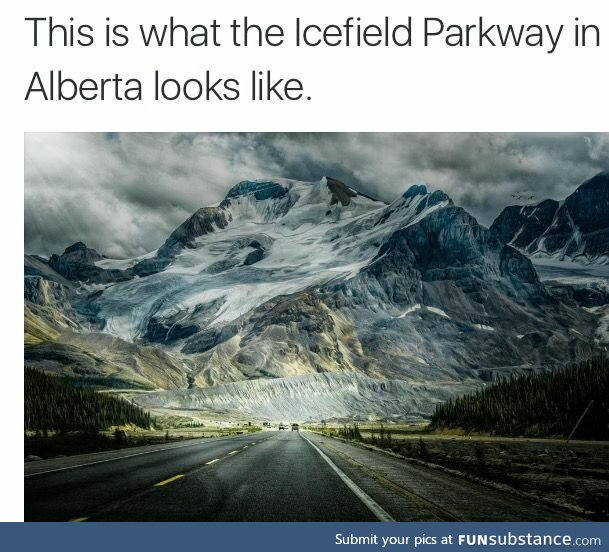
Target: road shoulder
[(411, 492)]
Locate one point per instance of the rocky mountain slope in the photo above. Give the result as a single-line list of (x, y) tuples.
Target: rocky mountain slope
[(576, 228), (295, 299)]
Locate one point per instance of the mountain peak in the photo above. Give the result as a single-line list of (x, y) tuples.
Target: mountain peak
[(78, 246), (576, 228), (417, 189), (204, 221), (419, 196), (598, 182), (79, 252), (78, 262), (340, 191), (261, 189)]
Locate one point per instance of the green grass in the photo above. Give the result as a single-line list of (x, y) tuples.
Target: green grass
[(35, 331)]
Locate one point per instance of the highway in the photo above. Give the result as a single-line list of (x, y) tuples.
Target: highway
[(264, 476)]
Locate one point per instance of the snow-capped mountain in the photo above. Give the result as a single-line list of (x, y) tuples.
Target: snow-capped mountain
[(295, 297), (576, 228)]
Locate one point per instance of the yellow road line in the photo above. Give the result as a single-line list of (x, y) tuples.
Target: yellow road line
[(170, 480), (79, 519), (212, 461), (233, 452)]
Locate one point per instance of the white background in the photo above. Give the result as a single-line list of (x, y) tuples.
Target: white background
[(356, 89)]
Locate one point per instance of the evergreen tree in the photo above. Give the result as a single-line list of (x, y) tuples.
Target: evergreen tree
[(536, 404), (54, 403)]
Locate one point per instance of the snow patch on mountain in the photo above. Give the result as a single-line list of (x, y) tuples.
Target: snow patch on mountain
[(409, 310), (123, 264), (437, 311), (307, 235)]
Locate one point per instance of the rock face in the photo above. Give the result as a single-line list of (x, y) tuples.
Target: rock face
[(291, 294), (204, 221), (47, 293), (313, 397), (576, 228), (78, 263)]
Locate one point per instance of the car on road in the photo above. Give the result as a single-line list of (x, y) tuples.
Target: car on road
[(282, 427), (295, 427)]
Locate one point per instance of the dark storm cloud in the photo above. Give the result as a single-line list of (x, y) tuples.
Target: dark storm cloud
[(124, 193)]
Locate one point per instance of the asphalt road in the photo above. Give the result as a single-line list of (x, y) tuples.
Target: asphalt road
[(269, 476), (264, 476)]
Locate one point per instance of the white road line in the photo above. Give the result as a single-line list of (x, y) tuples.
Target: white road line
[(369, 502), (212, 461), (119, 458), (233, 452)]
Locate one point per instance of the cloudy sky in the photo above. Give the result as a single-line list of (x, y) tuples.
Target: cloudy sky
[(124, 193)]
